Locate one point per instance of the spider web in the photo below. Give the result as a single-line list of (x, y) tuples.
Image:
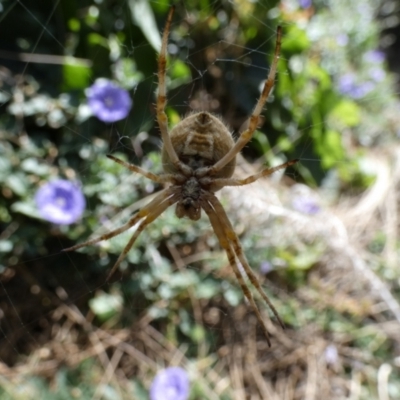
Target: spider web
[(225, 77)]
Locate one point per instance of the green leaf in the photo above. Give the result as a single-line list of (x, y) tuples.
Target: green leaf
[(185, 323), (180, 74), (296, 40), (183, 280), (5, 166), (32, 165), (143, 17), (105, 305), (165, 291), (179, 70), (316, 73), (5, 246), (233, 296), (76, 74), (333, 149), (305, 260), (26, 208), (74, 24), (198, 333), (347, 113), (17, 183), (206, 289), (126, 72), (139, 390), (96, 39)]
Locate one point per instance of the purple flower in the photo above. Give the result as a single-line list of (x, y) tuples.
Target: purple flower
[(60, 201), (374, 56), (305, 205), (266, 267), (170, 384), (349, 86), (107, 101), (331, 354), (305, 3), (342, 39), (377, 74), (364, 88), (346, 83)]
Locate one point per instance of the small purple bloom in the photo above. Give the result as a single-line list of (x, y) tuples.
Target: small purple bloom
[(170, 384), (266, 267), (60, 201), (305, 3), (365, 88), (377, 74), (107, 101), (347, 83), (349, 86), (374, 56), (305, 205), (331, 354), (342, 39)]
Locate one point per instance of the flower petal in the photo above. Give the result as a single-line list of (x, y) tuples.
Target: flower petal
[(107, 101), (170, 384), (60, 201)]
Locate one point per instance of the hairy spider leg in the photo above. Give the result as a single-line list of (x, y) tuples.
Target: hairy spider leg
[(144, 212), (247, 134), (162, 100), (162, 178), (218, 183), (153, 213), (226, 245), (232, 237)]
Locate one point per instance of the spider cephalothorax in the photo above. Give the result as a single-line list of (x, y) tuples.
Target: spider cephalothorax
[(200, 140), (189, 203), (198, 157)]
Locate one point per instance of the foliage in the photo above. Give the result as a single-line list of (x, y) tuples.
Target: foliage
[(328, 109)]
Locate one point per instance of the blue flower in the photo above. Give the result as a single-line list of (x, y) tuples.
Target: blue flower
[(266, 267), (60, 201), (374, 56), (342, 39), (331, 354), (305, 205), (349, 86), (346, 83), (305, 3), (377, 74), (170, 384), (107, 101)]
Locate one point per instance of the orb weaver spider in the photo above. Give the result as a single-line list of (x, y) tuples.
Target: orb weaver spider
[(198, 157)]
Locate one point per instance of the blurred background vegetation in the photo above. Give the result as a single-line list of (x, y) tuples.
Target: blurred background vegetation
[(323, 238)]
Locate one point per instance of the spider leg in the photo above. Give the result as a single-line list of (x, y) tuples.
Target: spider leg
[(144, 212), (162, 99), (218, 183), (163, 178), (247, 134), (153, 213), (226, 245), (232, 237)]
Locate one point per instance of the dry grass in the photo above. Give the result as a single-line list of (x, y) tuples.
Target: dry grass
[(354, 311)]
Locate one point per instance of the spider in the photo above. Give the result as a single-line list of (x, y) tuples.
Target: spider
[(198, 157)]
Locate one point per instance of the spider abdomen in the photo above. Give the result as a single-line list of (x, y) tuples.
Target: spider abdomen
[(200, 140)]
